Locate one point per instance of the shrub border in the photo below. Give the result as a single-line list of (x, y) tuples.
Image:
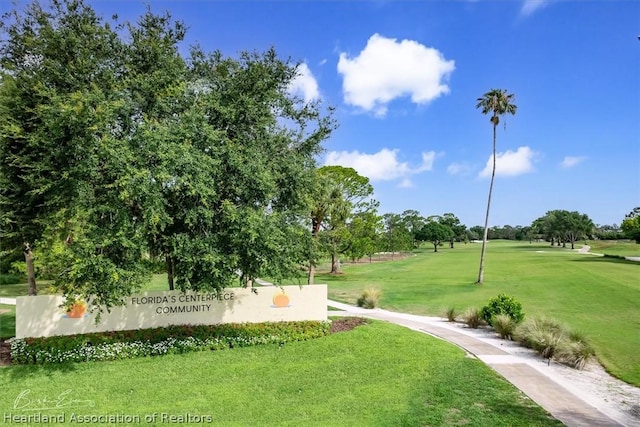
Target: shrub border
[(178, 339)]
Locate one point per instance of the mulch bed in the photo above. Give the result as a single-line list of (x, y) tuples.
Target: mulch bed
[(5, 353), (346, 324)]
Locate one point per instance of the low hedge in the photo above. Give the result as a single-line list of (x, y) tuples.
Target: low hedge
[(158, 341)]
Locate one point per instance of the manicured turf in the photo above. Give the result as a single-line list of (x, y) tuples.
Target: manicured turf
[(599, 296), (615, 247), (21, 289), (158, 283), (7, 321), (376, 375)]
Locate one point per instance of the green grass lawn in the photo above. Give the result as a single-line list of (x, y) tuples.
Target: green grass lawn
[(158, 283), (376, 375), (595, 295), (599, 296), (615, 247), (7, 321), (22, 289)]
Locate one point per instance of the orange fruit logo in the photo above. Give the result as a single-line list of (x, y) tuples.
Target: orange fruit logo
[(77, 310), (280, 300)]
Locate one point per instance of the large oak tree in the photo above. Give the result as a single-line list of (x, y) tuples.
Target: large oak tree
[(114, 145)]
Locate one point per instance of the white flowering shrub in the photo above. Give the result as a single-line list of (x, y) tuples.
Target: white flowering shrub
[(160, 341)]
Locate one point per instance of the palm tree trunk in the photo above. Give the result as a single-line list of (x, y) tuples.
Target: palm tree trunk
[(486, 218)]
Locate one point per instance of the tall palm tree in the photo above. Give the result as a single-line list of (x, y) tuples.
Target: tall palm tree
[(496, 102)]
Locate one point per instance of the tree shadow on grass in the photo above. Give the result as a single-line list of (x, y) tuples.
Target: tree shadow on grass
[(611, 259), (533, 247), (18, 372)]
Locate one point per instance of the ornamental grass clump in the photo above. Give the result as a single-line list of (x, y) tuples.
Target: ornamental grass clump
[(451, 314), (576, 351), (541, 335), (473, 318), (554, 341), (504, 325), (370, 298)]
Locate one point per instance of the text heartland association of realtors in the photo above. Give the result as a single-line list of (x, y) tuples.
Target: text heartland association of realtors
[(185, 299), (111, 419)]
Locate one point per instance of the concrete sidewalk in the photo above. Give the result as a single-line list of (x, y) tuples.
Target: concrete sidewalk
[(518, 370), (8, 301)]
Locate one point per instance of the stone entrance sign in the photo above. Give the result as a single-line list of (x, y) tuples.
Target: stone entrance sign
[(43, 316)]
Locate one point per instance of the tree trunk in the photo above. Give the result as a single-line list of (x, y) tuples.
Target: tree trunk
[(312, 273), (486, 218), (435, 247), (31, 271), (451, 244), (315, 229), (335, 264), (169, 262)]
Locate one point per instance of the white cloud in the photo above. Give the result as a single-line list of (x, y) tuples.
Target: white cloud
[(570, 161), (381, 166), (511, 163), (458, 169), (530, 6), (406, 183), (304, 84), (386, 69)]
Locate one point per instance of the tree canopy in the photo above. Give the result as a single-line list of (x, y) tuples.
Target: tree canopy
[(563, 226), (437, 232), (344, 209), (631, 224), (115, 146)]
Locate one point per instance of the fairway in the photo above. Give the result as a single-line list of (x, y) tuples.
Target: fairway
[(597, 295), (376, 375)]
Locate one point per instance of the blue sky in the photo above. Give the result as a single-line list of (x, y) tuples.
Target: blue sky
[(404, 77)]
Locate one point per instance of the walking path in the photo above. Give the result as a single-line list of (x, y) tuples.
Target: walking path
[(8, 301), (585, 249), (577, 398)]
